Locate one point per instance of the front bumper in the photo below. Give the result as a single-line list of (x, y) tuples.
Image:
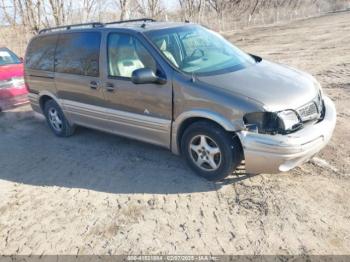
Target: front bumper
[(279, 153)]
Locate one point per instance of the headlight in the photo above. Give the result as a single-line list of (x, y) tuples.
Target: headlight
[(288, 120), (16, 82), (272, 123)]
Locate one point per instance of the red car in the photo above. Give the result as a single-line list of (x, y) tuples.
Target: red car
[(13, 91)]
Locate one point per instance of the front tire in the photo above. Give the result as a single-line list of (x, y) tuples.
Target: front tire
[(211, 151), (56, 120)]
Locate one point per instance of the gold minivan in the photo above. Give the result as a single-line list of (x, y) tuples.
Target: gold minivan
[(179, 86)]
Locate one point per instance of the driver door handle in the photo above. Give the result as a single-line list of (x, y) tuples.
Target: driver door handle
[(109, 87), (93, 85)]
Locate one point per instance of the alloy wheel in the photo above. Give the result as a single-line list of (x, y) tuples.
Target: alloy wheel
[(55, 119), (205, 153)]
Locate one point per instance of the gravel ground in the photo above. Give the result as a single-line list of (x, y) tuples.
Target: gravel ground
[(96, 193)]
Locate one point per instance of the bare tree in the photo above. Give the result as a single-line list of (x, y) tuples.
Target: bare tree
[(191, 8), (123, 6), (9, 12), (61, 9), (29, 13), (89, 8), (149, 8)]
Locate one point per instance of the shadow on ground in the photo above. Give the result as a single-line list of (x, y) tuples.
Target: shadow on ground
[(31, 154)]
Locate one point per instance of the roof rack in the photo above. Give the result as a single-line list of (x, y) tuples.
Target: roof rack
[(95, 24), (68, 27), (131, 21)]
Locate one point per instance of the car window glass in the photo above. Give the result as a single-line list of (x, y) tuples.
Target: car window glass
[(78, 53), (40, 54), (168, 46), (126, 54), (7, 57), (201, 51)]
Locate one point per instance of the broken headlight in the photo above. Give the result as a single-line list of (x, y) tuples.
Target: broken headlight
[(282, 122)]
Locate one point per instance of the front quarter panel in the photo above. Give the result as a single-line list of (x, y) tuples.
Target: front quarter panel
[(193, 99)]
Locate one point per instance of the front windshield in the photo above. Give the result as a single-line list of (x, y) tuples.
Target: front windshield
[(194, 49), (7, 57)]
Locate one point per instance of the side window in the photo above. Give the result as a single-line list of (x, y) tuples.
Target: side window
[(126, 54), (78, 53), (41, 52)]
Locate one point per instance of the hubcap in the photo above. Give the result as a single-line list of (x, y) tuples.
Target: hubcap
[(205, 153), (55, 119)]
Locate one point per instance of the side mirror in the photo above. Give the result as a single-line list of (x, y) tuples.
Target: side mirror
[(146, 76)]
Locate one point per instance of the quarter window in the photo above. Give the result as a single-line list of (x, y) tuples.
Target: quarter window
[(41, 52), (78, 53), (126, 54)]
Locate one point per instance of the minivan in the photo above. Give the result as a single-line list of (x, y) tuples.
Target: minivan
[(180, 86)]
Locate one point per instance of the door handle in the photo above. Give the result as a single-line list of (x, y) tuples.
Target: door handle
[(109, 87), (93, 85)]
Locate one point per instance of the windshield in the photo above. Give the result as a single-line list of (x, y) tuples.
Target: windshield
[(194, 49), (7, 57)]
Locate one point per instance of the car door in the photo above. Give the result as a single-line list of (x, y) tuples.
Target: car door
[(77, 77), (141, 111)]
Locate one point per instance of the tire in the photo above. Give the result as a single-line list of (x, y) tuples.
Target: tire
[(56, 120), (212, 138)]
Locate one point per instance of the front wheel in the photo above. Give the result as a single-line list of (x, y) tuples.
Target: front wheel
[(211, 151)]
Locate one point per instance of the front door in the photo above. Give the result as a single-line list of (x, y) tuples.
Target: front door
[(141, 111)]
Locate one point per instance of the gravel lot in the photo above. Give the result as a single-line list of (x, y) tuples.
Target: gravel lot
[(96, 193)]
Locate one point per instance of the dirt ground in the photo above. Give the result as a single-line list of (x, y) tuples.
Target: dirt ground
[(96, 193)]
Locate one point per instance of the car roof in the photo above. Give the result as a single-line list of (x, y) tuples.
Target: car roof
[(147, 26), (136, 26)]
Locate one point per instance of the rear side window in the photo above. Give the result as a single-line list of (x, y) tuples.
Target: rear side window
[(41, 52), (78, 53)]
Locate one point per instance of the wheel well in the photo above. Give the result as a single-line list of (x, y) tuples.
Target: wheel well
[(43, 100), (192, 120)]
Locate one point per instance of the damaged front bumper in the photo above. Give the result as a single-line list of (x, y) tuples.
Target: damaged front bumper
[(279, 153)]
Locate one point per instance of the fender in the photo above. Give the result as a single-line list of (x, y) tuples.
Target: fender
[(35, 100), (233, 126)]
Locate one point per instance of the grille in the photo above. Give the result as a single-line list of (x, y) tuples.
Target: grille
[(311, 110)]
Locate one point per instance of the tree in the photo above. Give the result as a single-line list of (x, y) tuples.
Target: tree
[(123, 6), (191, 8), (149, 8)]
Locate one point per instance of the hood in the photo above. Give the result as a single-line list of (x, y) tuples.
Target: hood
[(275, 86), (12, 70)]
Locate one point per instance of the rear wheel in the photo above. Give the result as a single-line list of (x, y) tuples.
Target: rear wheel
[(210, 151), (56, 119)]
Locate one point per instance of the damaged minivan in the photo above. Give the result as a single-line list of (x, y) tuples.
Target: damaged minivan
[(182, 87)]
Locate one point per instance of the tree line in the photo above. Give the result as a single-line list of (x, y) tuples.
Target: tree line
[(222, 14)]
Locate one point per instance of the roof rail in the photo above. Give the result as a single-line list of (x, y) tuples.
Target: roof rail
[(131, 21), (94, 24), (68, 27)]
